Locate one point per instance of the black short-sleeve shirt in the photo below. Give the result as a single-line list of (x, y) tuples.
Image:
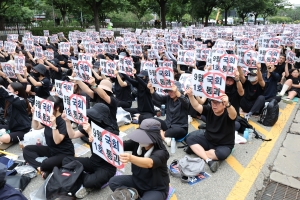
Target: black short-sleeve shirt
[(65, 146), (44, 90)]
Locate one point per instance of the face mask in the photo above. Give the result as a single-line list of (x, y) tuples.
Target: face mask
[(229, 87), (144, 145), (252, 78), (37, 74)]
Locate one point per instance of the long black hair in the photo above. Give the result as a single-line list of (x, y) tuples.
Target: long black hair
[(58, 103)]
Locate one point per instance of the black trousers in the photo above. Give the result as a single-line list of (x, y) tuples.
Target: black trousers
[(253, 106), (173, 132), (124, 104), (94, 176), (31, 152), (127, 181), (14, 134)]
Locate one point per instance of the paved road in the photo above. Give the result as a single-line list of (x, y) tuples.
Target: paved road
[(239, 177)]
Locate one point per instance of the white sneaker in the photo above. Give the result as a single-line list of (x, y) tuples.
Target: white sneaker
[(81, 193), (168, 141), (287, 100)]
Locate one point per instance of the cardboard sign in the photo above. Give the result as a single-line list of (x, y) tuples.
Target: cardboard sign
[(49, 54), (43, 110), (19, 64), (38, 52), (248, 58), (126, 66), (147, 64), (268, 55), (36, 39), (290, 57), (137, 50), (186, 57), (201, 54), (64, 48), (85, 57), (288, 40), (43, 40), (208, 84), (82, 69), (188, 44), (153, 54), (242, 41), (274, 42), (8, 70), (227, 65), (29, 44), (64, 87), (75, 108), (162, 76), (186, 81), (159, 45), (10, 46), (53, 39), (112, 48), (46, 33), (108, 146), (297, 43), (1, 44), (108, 67)]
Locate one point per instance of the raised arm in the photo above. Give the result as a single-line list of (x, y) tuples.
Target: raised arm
[(198, 107)]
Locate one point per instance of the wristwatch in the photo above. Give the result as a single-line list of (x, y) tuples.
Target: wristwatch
[(54, 127), (229, 104), (94, 86)]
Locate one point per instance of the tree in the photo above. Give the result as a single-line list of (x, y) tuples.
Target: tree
[(177, 9), (202, 9), (94, 5), (139, 7), (64, 6), (162, 4), (226, 5), (243, 8)]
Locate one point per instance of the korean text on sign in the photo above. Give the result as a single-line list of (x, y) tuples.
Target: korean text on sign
[(63, 87), (43, 110), (75, 108), (163, 76), (108, 146), (82, 69)]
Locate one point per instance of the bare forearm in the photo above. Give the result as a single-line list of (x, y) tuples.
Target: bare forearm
[(141, 162)]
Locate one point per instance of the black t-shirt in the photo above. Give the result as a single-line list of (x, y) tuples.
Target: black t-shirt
[(65, 146), (219, 129), (155, 178), (234, 97), (123, 93), (43, 91), (280, 68), (96, 160), (252, 91), (113, 106)]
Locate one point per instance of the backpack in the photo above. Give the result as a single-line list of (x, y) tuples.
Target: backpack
[(65, 180), (245, 124), (190, 166), (270, 114)]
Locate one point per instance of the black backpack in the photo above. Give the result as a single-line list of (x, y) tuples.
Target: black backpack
[(270, 114), (65, 180), (245, 124)]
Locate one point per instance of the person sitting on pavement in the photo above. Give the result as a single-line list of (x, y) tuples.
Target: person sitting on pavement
[(16, 112), (291, 85), (253, 100), (149, 158), (145, 106), (6, 191), (97, 171), (271, 78), (217, 141), (59, 145), (177, 107)]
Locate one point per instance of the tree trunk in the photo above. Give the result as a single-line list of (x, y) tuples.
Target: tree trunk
[(2, 23), (226, 15), (206, 20), (255, 18), (96, 18), (163, 13), (63, 14)]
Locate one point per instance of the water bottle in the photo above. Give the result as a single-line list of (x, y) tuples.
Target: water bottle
[(173, 146), (250, 136), (163, 110), (38, 142), (246, 134)]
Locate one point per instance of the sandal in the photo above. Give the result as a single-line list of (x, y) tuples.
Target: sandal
[(45, 174)]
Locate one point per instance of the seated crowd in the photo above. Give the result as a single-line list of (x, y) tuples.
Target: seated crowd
[(245, 93)]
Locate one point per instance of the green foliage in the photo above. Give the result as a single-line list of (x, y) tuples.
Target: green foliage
[(54, 30), (279, 19)]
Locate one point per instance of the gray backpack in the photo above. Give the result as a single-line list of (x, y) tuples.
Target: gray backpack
[(191, 167)]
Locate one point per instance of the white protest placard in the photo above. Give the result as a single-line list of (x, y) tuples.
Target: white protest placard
[(186, 57), (19, 64), (108, 146), (43, 40), (297, 43), (29, 44), (82, 69), (43, 110), (290, 57), (147, 64), (137, 50), (64, 48), (227, 65), (8, 70), (288, 40), (162, 76), (38, 52), (75, 108), (64, 87), (159, 45), (49, 54), (1, 44), (208, 84), (85, 57), (126, 66), (36, 39), (201, 54), (274, 42), (241, 41), (185, 81), (268, 55), (46, 32), (175, 46), (53, 39), (248, 58), (10, 46), (152, 54), (108, 67), (112, 48)]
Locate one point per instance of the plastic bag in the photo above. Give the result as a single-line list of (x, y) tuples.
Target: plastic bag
[(123, 117), (31, 137), (26, 170)]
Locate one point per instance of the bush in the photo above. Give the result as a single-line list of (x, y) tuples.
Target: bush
[(279, 19), (39, 31)]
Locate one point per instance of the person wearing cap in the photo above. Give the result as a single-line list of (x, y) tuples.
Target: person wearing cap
[(216, 142), (253, 100), (97, 171), (39, 81), (145, 106), (101, 93), (6, 191), (148, 160), (177, 108)]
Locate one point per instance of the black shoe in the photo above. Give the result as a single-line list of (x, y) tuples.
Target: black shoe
[(213, 165)]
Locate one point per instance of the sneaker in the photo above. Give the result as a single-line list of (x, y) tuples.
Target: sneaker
[(173, 169), (168, 141), (287, 100), (247, 117), (81, 193), (213, 165)]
